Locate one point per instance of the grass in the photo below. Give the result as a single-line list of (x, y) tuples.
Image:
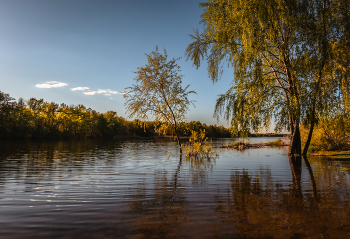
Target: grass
[(338, 155), (276, 143), (241, 145)]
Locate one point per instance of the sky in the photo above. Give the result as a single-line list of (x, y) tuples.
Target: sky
[(86, 52)]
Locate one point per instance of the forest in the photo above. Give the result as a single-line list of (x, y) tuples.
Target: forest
[(35, 118)]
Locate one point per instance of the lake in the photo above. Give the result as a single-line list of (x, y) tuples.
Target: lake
[(135, 189)]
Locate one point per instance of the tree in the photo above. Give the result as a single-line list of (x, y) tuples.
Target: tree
[(327, 34), (158, 91), (6, 107), (282, 55)]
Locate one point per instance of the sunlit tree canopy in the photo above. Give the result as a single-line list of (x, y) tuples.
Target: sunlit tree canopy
[(158, 91), (290, 60)]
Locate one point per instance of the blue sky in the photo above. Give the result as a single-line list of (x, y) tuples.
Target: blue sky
[(94, 47)]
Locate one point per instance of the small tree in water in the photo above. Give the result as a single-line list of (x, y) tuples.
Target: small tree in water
[(199, 148), (158, 91)]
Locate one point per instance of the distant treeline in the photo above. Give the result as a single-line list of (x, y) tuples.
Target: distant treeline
[(40, 119), (267, 135)]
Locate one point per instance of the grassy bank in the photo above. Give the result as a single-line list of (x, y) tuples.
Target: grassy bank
[(337, 155), (245, 145)]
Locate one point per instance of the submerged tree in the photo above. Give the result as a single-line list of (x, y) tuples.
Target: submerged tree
[(282, 54), (158, 91)]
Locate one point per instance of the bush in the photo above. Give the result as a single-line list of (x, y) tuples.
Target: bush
[(331, 133), (198, 146), (276, 143)]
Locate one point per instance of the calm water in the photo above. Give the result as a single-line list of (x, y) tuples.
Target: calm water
[(132, 189)]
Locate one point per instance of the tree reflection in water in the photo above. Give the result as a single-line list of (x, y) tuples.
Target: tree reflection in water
[(259, 208), (199, 168), (42, 162), (159, 210), (94, 184)]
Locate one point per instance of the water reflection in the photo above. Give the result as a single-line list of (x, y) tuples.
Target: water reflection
[(312, 180), (296, 193), (158, 209), (259, 208), (199, 168), (40, 163), (130, 189)]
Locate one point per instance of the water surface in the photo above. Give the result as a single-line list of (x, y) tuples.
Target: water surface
[(133, 189)]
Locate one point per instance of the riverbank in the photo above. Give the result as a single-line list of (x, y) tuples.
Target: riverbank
[(337, 155), (245, 145)]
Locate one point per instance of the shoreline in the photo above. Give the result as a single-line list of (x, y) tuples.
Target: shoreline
[(243, 146)]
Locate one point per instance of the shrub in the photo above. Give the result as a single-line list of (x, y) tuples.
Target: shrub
[(199, 147), (275, 143), (331, 133)]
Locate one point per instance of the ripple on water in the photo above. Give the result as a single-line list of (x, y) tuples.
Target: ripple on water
[(132, 189)]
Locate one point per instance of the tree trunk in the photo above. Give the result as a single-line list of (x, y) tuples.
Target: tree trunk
[(308, 141), (180, 146), (295, 142), (178, 140), (291, 126)]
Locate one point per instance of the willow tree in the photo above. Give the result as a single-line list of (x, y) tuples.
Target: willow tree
[(281, 55), (326, 64), (158, 91)]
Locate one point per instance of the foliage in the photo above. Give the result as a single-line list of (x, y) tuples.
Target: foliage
[(185, 129), (40, 119), (290, 61), (199, 148), (331, 133), (241, 145), (159, 91), (276, 143)]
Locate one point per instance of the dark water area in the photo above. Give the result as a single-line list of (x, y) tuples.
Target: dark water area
[(133, 189)]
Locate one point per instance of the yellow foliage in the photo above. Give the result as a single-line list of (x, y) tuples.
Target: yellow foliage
[(199, 147), (330, 134)]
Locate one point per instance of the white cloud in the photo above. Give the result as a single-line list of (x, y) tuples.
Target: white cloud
[(79, 88), (90, 93), (51, 84), (107, 92)]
